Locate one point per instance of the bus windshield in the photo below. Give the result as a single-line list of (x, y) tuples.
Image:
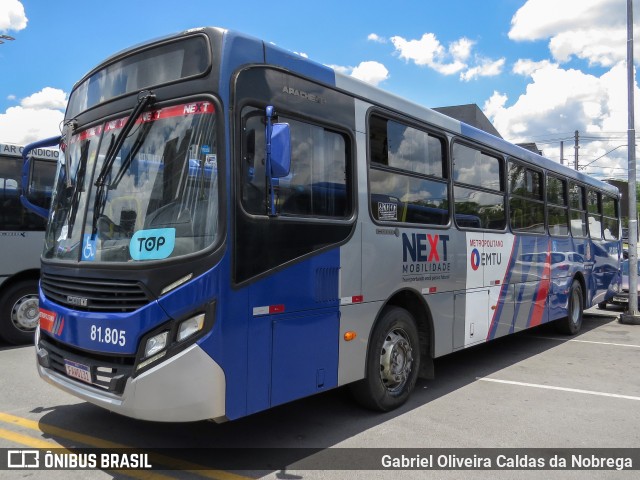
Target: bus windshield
[(157, 198)]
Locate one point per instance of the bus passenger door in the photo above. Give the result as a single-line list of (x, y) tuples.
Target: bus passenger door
[(471, 313), (471, 306)]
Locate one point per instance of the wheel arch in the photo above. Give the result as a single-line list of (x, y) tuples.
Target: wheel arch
[(9, 330), (416, 305), (25, 275)]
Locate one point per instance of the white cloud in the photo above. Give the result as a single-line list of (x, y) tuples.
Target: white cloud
[(429, 52), (486, 68), (540, 19), (38, 116), (373, 37), (599, 46), (559, 101), (527, 67), (449, 68), (371, 72), (424, 52), (12, 16), (11, 97), (495, 104), (461, 49), (593, 30), (47, 98), (24, 125)]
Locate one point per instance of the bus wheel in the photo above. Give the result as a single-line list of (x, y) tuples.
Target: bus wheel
[(571, 324), (393, 361), (19, 314)]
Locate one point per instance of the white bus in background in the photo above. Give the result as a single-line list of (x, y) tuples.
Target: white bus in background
[(21, 240)]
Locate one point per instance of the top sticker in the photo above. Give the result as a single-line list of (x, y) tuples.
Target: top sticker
[(154, 244)]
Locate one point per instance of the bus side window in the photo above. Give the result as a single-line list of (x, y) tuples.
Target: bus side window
[(317, 185), (610, 218), (408, 167), (479, 186)]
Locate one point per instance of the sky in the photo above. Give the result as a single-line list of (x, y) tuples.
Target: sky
[(538, 69)]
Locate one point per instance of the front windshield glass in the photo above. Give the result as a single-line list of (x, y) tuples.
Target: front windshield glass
[(158, 199)]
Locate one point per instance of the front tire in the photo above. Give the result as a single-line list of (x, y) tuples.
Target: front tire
[(602, 305), (19, 314), (571, 324), (393, 361)]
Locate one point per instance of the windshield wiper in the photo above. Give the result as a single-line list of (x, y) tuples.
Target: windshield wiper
[(137, 144), (74, 201), (69, 128), (145, 98)]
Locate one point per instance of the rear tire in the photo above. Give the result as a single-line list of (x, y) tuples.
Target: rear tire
[(393, 362), (19, 314), (571, 324)]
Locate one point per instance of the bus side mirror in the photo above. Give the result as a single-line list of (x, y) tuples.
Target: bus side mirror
[(280, 150), (277, 156)]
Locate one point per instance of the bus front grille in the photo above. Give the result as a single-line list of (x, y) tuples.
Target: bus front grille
[(108, 373), (94, 295)]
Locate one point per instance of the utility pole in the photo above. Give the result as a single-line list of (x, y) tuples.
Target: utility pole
[(631, 316), (561, 152), (576, 147)]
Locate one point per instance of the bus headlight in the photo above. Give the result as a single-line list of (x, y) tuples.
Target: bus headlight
[(173, 336), (155, 344), (190, 327)]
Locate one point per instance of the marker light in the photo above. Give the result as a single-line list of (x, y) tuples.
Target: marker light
[(190, 327), (348, 336), (176, 284), (155, 344), (149, 361)]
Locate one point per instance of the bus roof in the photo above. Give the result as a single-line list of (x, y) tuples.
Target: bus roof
[(274, 55), (296, 63)]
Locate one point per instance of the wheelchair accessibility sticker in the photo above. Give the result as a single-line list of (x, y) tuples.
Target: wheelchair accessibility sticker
[(154, 244), (89, 248)]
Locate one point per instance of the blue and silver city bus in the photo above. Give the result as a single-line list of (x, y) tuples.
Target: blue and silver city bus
[(234, 227)]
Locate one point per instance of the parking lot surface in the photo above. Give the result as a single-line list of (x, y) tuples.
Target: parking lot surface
[(535, 389)]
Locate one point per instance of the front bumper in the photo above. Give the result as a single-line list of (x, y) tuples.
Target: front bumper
[(189, 386)]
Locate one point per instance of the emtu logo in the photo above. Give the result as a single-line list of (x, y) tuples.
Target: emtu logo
[(475, 259)]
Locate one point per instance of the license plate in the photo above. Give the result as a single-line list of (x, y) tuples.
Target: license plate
[(621, 299), (77, 370)]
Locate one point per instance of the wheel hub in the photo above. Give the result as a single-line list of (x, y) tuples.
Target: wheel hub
[(25, 313), (396, 360)]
